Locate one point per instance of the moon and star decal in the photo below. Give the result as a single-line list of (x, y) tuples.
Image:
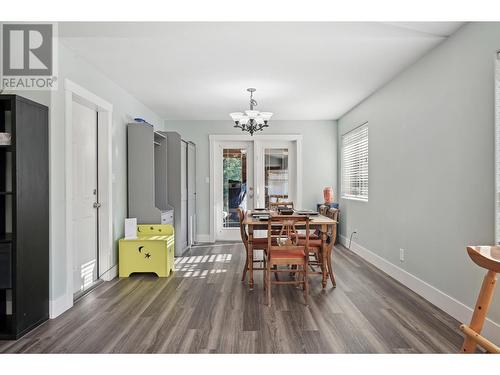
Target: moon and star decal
[(146, 255)]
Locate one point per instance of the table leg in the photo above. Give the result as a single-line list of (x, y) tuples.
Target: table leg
[(250, 256), (324, 228), (330, 269)]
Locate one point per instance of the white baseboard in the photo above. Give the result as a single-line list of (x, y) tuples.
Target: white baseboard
[(110, 274), (450, 305), (203, 238), (59, 305)]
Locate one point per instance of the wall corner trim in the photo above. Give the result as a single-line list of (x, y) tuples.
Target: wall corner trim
[(58, 305), (448, 304), (110, 274)]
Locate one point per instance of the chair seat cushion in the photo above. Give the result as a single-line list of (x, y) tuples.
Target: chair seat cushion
[(287, 254), (260, 240)]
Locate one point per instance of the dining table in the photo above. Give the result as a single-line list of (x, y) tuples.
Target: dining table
[(316, 221)]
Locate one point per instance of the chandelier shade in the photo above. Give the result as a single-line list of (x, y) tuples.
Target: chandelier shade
[(236, 116), (251, 120)]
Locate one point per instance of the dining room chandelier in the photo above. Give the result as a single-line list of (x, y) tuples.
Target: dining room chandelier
[(251, 121)]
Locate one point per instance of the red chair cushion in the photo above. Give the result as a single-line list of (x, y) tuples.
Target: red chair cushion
[(260, 240), (312, 236)]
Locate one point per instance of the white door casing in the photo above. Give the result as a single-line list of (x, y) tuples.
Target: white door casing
[(107, 265)]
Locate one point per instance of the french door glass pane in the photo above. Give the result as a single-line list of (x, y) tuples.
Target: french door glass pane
[(276, 174), (234, 182)]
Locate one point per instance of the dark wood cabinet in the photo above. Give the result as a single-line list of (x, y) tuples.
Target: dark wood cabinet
[(24, 216)]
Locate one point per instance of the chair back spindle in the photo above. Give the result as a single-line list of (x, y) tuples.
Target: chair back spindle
[(287, 233)]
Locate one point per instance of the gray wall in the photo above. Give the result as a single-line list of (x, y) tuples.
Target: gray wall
[(431, 164), (319, 149)]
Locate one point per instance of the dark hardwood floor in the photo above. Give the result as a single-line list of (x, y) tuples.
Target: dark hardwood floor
[(205, 308)]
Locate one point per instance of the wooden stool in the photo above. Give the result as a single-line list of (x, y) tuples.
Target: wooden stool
[(486, 257)]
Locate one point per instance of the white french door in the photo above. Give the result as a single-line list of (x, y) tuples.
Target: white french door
[(233, 187), (276, 170), (84, 198), (249, 172)]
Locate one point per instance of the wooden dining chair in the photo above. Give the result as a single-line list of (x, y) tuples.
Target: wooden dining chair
[(323, 209), (314, 248), (334, 214), (283, 250), (257, 244)]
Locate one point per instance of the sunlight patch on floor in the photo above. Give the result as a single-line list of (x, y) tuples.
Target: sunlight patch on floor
[(191, 266)]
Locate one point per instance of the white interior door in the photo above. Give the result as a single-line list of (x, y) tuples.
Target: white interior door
[(233, 175), (85, 195), (276, 168)]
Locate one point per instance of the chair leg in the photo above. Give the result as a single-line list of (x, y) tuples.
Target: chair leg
[(276, 273), (306, 283), (268, 280), (264, 277), (330, 269), (245, 270), (481, 310)]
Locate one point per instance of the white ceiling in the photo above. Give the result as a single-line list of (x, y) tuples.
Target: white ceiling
[(200, 71)]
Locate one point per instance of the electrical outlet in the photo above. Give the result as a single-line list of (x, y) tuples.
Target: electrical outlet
[(401, 255)]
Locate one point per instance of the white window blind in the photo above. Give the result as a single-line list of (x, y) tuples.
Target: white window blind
[(355, 163)]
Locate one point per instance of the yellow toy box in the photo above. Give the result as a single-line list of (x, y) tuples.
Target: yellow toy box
[(152, 251)]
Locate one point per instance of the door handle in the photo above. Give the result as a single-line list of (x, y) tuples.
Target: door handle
[(97, 205)]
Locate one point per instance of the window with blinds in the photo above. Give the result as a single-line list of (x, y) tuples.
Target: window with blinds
[(355, 164)]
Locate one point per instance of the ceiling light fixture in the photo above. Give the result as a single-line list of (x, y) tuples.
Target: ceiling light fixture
[(251, 121)]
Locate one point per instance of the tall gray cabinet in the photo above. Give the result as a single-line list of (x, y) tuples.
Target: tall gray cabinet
[(162, 181), (181, 188), (147, 175)]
